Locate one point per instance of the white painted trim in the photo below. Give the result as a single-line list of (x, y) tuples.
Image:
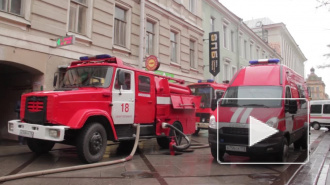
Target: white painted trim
[(164, 100)]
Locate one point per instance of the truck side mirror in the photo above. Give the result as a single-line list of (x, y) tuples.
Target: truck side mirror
[(121, 78), (291, 107), (214, 104)]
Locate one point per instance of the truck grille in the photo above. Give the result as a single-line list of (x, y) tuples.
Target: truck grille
[(35, 106), (35, 110), (235, 131)]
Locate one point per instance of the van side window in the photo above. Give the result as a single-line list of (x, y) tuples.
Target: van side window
[(144, 84), (316, 109), (326, 109)]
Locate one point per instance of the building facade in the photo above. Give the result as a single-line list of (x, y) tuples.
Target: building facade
[(279, 38), (29, 30), (317, 86), (238, 43)]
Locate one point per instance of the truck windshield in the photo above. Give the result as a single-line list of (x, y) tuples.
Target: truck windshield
[(96, 76), (252, 96), (205, 92)]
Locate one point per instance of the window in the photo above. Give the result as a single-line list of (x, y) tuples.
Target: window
[(251, 51), (77, 20), (120, 27), (240, 46), (192, 54), (12, 6), (226, 71), (173, 38), (225, 44), (212, 21), (192, 6), (127, 81), (144, 84), (326, 109), (316, 109), (232, 45), (245, 49), (150, 37), (233, 71), (257, 53), (317, 89)]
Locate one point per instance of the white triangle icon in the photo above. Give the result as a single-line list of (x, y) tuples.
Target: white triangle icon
[(259, 131)]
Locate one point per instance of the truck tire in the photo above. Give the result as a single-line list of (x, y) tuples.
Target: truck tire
[(283, 155), (165, 141), (40, 146), (214, 153), (91, 143), (316, 126)]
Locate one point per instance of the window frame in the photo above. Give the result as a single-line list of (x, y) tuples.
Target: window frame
[(225, 35), (88, 19), (128, 15), (153, 34), (176, 49), (320, 105), (324, 109), (19, 20), (192, 6), (232, 41), (139, 83)]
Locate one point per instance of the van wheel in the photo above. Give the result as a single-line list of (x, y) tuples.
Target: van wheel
[(283, 155), (214, 153), (40, 146), (91, 143), (316, 126), (164, 142)]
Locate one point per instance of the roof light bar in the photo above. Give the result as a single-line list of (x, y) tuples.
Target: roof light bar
[(208, 81), (102, 56), (265, 61)]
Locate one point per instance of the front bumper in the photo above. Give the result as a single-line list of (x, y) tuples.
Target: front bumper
[(270, 145), (19, 128)]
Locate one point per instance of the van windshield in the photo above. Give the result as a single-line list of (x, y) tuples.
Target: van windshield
[(252, 96), (205, 92), (96, 76)]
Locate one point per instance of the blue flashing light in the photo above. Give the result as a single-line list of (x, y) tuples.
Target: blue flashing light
[(210, 80), (84, 58), (103, 56), (265, 61), (200, 81)]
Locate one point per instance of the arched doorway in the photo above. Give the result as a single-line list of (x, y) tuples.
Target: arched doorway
[(15, 79)]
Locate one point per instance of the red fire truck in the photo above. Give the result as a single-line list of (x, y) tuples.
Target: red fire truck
[(210, 93), (100, 99)]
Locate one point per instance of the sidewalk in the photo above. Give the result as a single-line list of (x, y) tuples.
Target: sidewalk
[(316, 171)]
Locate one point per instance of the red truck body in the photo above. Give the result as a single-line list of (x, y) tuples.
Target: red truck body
[(100, 99), (210, 92)]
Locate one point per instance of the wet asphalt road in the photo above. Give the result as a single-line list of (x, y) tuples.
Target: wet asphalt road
[(150, 165)]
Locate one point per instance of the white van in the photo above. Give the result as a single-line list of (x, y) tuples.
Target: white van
[(320, 114)]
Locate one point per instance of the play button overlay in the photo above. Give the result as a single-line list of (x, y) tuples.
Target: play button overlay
[(259, 131)]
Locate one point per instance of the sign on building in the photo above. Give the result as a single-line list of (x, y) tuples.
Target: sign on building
[(214, 47), (64, 41)]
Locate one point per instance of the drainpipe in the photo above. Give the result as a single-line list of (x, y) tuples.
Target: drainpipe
[(142, 26)]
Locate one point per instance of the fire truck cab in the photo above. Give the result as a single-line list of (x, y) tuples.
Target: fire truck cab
[(100, 99), (210, 92), (258, 91)]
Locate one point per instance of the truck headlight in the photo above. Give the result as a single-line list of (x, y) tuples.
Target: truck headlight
[(11, 127), (212, 123), (54, 133), (273, 122)]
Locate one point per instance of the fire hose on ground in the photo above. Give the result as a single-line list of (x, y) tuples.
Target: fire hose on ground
[(79, 167), (180, 148)]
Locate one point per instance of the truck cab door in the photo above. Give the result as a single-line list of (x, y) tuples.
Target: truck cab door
[(145, 111), (123, 97)]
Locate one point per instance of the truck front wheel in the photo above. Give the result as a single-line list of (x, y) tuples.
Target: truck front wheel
[(40, 146), (91, 143)]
